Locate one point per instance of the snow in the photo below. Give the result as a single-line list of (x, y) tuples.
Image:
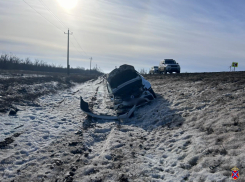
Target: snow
[(189, 133), (146, 84), (7, 76)]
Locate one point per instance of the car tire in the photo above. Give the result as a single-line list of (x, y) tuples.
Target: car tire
[(177, 71)]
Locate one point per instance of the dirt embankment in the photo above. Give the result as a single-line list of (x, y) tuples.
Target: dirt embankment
[(25, 88), (213, 105), (203, 97)]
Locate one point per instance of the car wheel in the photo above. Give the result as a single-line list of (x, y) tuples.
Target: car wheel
[(170, 72), (177, 71)]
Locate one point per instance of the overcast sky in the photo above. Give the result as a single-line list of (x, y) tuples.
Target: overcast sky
[(202, 36)]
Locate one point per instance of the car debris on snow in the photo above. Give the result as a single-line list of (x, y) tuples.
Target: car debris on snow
[(127, 89)]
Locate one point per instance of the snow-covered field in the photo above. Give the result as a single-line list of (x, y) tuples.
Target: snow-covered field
[(23, 75), (193, 131), (23, 90)]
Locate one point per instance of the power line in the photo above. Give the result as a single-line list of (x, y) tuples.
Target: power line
[(80, 45), (83, 51), (64, 26), (52, 13), (42, 15), (75, 47)]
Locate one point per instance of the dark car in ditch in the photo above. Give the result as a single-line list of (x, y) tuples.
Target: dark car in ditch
[(127, 89)]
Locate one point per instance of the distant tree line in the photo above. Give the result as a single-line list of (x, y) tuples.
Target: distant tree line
[(143, 71), (9, 62)]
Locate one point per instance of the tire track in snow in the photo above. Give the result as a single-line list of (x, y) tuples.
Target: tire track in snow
[(42, 126)]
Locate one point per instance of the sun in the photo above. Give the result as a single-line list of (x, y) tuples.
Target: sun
[(68, 4)]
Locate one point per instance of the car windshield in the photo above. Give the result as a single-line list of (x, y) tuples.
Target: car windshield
[(170, 62), (156, 67)]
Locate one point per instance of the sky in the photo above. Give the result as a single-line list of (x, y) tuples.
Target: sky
[(202, 36)]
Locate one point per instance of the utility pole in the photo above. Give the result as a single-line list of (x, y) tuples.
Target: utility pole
[(90, 64), (68, 66)]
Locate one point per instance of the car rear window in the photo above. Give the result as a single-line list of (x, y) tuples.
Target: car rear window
[(122, 77)]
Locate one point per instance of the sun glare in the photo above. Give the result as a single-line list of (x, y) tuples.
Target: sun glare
[(68, 4)]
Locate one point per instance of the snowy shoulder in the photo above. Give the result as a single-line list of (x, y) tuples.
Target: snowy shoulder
[(146, 84)]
